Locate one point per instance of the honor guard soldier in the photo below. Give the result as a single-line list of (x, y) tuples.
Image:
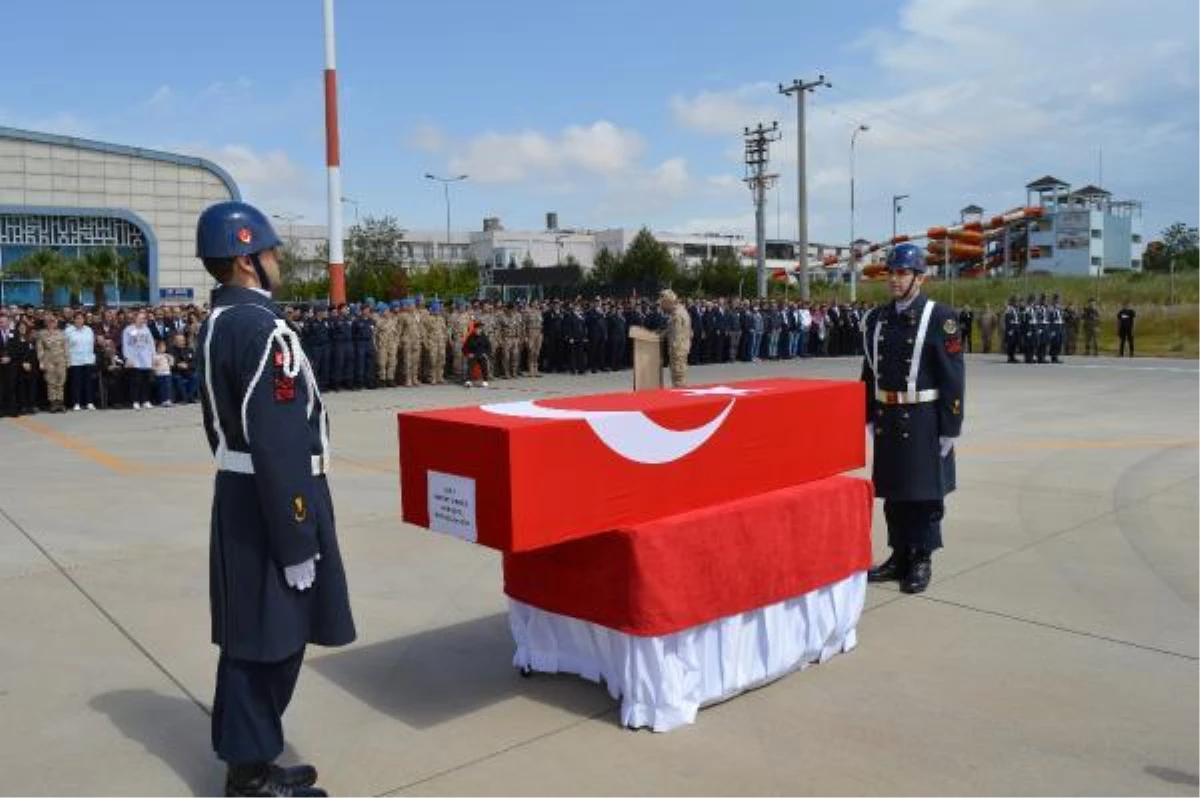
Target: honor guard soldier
[(1012, 328), (915, 380), (1057, 327), (276, 580)]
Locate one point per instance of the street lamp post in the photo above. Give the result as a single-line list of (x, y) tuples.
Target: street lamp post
[(290, 218), (353, 202), (896, 209), (853, 250), (446, 181)]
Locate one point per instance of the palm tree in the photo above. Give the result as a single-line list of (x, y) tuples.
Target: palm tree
[(49, 266), (100, 267)]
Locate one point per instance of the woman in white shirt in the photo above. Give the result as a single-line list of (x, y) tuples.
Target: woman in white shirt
[(137, 347), (81, 362)]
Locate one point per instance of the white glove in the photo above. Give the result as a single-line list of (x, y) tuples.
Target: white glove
[(302, 576), (946, 443)]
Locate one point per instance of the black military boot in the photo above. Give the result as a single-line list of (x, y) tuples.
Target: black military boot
[(919, 573), (274, 780), (893, 569)]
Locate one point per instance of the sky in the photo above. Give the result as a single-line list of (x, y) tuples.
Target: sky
[(623, 113)]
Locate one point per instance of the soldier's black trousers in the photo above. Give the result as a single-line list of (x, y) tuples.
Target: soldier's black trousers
[(914, 525), (247, 717)]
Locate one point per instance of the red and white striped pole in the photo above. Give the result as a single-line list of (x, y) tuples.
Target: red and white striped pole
[(333, 163)]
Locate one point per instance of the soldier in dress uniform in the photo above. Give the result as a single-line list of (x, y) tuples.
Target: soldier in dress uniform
[(915, 384), (341, 374), (275, 572), (317, 346), (1041, 315), (362, 333), (1012, 328), (1056, 327), (1029, 329)]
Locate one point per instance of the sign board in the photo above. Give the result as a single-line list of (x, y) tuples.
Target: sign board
[(176, 294)]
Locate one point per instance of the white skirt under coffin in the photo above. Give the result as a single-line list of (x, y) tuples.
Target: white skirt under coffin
[(663, 681)]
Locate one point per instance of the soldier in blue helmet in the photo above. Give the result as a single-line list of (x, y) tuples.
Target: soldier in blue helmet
[(276, 580), (915, 387)]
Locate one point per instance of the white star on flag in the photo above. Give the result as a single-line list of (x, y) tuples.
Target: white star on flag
[(719, 390)]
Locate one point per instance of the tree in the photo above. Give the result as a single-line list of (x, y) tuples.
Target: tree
[(647, 262), (527, 262), (374, 253), (48, 265), (1180, 245), (604, 269), (720, 276), (100, 268)]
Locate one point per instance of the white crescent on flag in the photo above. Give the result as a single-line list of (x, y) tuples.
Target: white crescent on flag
[(629, 433)]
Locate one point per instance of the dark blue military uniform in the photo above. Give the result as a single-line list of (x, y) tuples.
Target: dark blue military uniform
[(362, 332), (316, 345), (1012, 330), (268, 430), (915, 391), (341, 373)]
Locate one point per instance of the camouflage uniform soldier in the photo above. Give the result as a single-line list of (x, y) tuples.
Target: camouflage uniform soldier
[(1091, 319), (52, 356), (511, 326), (386, 342), (679, 336), (533, 337), (460, 326), (410, 343), (434, 345)]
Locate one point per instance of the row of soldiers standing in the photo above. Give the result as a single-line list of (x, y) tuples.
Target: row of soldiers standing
[(1038, 328), (406, 343)]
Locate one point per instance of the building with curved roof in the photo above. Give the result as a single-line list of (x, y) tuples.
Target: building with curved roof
[(74, 195)]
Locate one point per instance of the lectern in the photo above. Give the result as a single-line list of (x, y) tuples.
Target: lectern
[(647, 359)]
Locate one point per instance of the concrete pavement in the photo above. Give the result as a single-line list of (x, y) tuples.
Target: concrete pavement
[(1055, 653)]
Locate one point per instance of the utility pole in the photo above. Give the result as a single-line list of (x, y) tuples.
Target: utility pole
[(758, 143), (799, 88)]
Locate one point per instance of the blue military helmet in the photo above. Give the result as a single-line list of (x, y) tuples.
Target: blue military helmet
[(906, 256), (380, 307), (230, 229), (435, 306)]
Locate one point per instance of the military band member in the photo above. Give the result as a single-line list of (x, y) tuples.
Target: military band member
[(275, 572), (915, 385)]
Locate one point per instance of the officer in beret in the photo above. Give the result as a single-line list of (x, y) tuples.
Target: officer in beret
[(915, 385), (276, 581)]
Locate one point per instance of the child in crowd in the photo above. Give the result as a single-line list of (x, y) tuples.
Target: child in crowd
[(162, 373)]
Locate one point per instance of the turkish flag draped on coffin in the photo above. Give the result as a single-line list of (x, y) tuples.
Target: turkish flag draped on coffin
[(518, 476)]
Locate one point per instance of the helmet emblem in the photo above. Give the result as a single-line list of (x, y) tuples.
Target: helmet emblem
[(244, 235)]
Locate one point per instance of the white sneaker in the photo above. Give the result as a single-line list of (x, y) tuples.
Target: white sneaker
[(91, 406), (137, 406), (76, 407), (168, 404), (483, 384)]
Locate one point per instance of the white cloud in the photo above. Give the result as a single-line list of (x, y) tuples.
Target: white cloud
[(269, 179), (968, 100), (600, 149), (427, 137), (726, 113)]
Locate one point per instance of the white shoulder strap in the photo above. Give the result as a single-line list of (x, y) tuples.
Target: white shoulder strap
[(915, 366)]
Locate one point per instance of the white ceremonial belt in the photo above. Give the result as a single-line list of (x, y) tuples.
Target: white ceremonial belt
[(240, 463), (906, 397)]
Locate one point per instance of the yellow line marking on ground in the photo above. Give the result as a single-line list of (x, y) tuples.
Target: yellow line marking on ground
[(1080, 445), (112, 462)]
